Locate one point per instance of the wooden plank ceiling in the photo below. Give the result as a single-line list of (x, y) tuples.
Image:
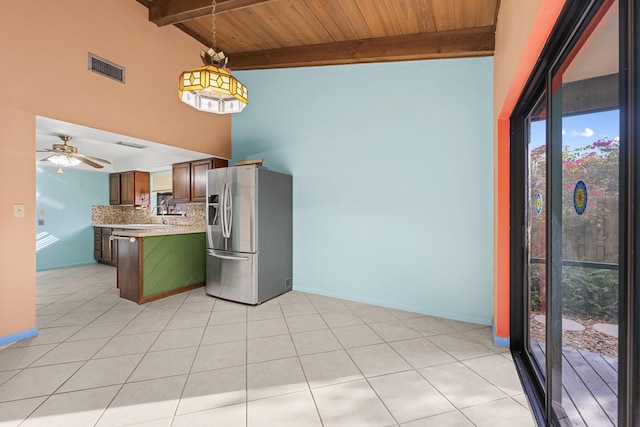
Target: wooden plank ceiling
[(259, 34)]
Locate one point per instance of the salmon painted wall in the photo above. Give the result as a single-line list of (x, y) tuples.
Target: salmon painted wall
[(17, 246), (44, 47), (522, 30)]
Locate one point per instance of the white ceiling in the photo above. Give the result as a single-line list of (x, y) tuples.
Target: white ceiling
[(98, 143)]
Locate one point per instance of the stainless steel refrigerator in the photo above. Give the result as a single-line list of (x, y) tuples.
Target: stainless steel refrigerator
[(249, 233)]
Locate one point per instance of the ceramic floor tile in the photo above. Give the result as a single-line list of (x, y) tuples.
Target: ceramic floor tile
[(102, 372), (20, 357), (461, 385), (213, 389), (315, 341), (46, 320), (460, 326), (428, 326), (99, 330), (270, 348), (12, 413), (375, 314), (227, 316), (266, 328), (145, 325), (408, 396), (500, 413), (329, 368), (196, 306), (227, 416), (498, 371), (224, 333), (218, 356), (395, 330), (164, 363), (421, 353), (78, 408), (157, 311), (114, 315), (178, 338), (275, 377), (378, 359), (298, 309), (483, 336), (356, 336), (33, 382), (351, 404), (459, 347), (522, 400), (337, 320), (301, 411), (222, 305), (123, 345), (71, 351), (59, 308), (189, 320), (310, 322), (293, 297), (262, 312), (449, 419), (75, 319), (144, 401), (6, 375), (49, 336), (336, 306), (161, 422)]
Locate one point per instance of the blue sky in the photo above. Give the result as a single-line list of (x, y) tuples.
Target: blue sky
[(581, 130)]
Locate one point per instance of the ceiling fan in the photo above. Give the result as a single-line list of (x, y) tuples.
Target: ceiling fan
[(67, 155)]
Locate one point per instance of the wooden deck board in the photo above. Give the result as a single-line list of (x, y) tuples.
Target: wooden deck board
[(590, 386)]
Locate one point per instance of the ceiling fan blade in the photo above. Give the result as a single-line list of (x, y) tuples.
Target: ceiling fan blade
[(47, 158), (86, 161), (93, 158), (46, 150)]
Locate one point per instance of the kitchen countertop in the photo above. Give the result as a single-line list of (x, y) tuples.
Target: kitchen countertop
[(148, 230)]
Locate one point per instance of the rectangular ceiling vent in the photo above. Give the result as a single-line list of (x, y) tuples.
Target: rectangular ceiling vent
[(106, 68), (131, 144)]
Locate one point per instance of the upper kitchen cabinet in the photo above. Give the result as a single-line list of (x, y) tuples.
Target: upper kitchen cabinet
[(190, 179), (181, 180), (114, 189), (129, 188)]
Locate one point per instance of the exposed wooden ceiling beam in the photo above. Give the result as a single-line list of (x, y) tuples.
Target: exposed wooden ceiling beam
[(167, 12), (446, 44)]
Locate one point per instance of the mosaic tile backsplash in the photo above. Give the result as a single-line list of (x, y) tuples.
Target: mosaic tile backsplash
[(195, 217)]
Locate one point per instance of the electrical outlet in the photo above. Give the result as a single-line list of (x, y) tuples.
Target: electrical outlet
[(18, 211), (41, 222)]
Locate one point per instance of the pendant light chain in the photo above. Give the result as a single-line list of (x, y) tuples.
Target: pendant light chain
[(213, 25)]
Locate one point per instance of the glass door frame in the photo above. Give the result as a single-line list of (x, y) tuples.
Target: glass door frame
[(572, 22)]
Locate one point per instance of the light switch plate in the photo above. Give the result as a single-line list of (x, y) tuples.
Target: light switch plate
[(18, 211)]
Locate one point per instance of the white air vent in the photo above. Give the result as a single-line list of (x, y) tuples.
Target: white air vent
[(131, 144), (106, 68)]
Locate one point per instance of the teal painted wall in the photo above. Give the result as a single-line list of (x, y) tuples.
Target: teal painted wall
[(66, 238), (393, 178)]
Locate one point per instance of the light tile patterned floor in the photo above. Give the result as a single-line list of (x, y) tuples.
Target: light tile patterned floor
[(298, 360)]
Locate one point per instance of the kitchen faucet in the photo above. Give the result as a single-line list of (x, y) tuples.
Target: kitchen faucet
[(156, 207)]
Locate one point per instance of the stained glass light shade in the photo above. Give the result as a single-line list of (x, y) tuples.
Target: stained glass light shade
[(213, 90)]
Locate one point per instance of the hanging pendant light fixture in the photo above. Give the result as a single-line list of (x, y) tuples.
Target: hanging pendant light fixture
[(212, 88)]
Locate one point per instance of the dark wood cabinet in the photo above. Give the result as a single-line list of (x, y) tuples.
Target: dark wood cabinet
[(114, 189), (199, 179), (104, 250), (190, 179), (181, 182), (133, 188)]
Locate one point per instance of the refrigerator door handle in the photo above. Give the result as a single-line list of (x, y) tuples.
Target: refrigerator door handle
[(223, 215), (228, 211), (229, 257)]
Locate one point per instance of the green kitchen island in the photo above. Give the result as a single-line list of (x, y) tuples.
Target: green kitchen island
[(157, 263)]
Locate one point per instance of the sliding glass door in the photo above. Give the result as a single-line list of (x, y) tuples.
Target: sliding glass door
[(569, 280)]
